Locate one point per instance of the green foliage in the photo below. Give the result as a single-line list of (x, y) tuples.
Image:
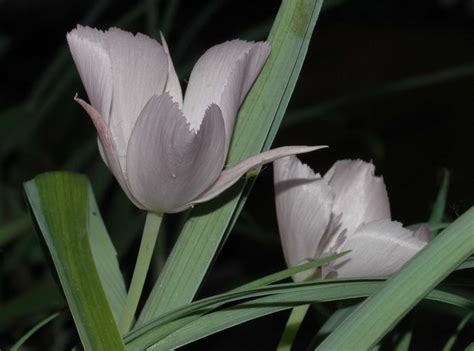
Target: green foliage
[(258, 303), (33, 330), (84, 259), (381, 311), (256, 127)]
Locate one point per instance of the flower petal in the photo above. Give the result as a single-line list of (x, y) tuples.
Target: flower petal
[(94, 67), (360, 196), (172, 84), (168, 164), (378, 248), (223, 75), (140, 70), (136, 66), (303, 206), (107, 148), (231, 175)]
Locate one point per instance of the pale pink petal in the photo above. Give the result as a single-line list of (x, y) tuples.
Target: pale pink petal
[(168, 164), (378, 248), (107, 148), (223, 75), (303, 207), (231, 175), (361, 197), (94, 67), (423, 233), (140, 70), (172, 84)]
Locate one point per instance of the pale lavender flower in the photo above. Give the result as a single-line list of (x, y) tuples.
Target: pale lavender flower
[(347, 209), (167, 152)]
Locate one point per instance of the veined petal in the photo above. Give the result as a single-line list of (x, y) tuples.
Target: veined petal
[(94, 67), (378, 248), (168, 164), (107, 148), (231, 175), (303, 205), (361, 197), (223, 75), (172, 84), (140, 70), (136, 68)]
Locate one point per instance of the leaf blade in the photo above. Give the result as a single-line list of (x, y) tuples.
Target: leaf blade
[(379, 313), (59, 202), (259, 117)]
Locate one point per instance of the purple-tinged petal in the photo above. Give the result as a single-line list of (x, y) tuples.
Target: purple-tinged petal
[(94, 67), (378, 249), (138, 68), (107, 148), (303, 206), (361, 197), (231, 175), (223, 75), (172, 84), (168, 164), (423, 233)]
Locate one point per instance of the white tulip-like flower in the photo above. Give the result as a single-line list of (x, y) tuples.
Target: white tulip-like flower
[(347, 209), (167, 152)]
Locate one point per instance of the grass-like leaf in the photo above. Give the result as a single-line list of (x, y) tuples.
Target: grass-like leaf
[(41, 324), (173, 320), (279, 297), (379, 313), (256, 126), (64, 213), (437, 214)]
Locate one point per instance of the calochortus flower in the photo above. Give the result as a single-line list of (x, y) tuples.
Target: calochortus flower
[(167, 152), (347, 209)]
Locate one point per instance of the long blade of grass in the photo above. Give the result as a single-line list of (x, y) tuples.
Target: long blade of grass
[(178, 318), (282, 298), (452, 340), (203, 234), (380, 312), (41, 324), (61, 206), (437, 215)]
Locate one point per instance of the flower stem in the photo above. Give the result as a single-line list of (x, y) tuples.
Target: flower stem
[(292, 326), (147, 245)]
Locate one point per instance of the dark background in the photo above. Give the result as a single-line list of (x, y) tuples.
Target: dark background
[(387, 81)]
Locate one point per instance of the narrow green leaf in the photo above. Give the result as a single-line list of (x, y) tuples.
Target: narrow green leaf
[(256, 126), (105, 258), (33, 330), (381, 311), (287, 273), (60, 203), (284, 296), (452, 340), (437, 215), (405, 341), (179, 317), (331, 323), (293, 324)]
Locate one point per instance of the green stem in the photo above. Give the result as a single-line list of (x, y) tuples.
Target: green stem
[(292, 326), (150, 234)]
